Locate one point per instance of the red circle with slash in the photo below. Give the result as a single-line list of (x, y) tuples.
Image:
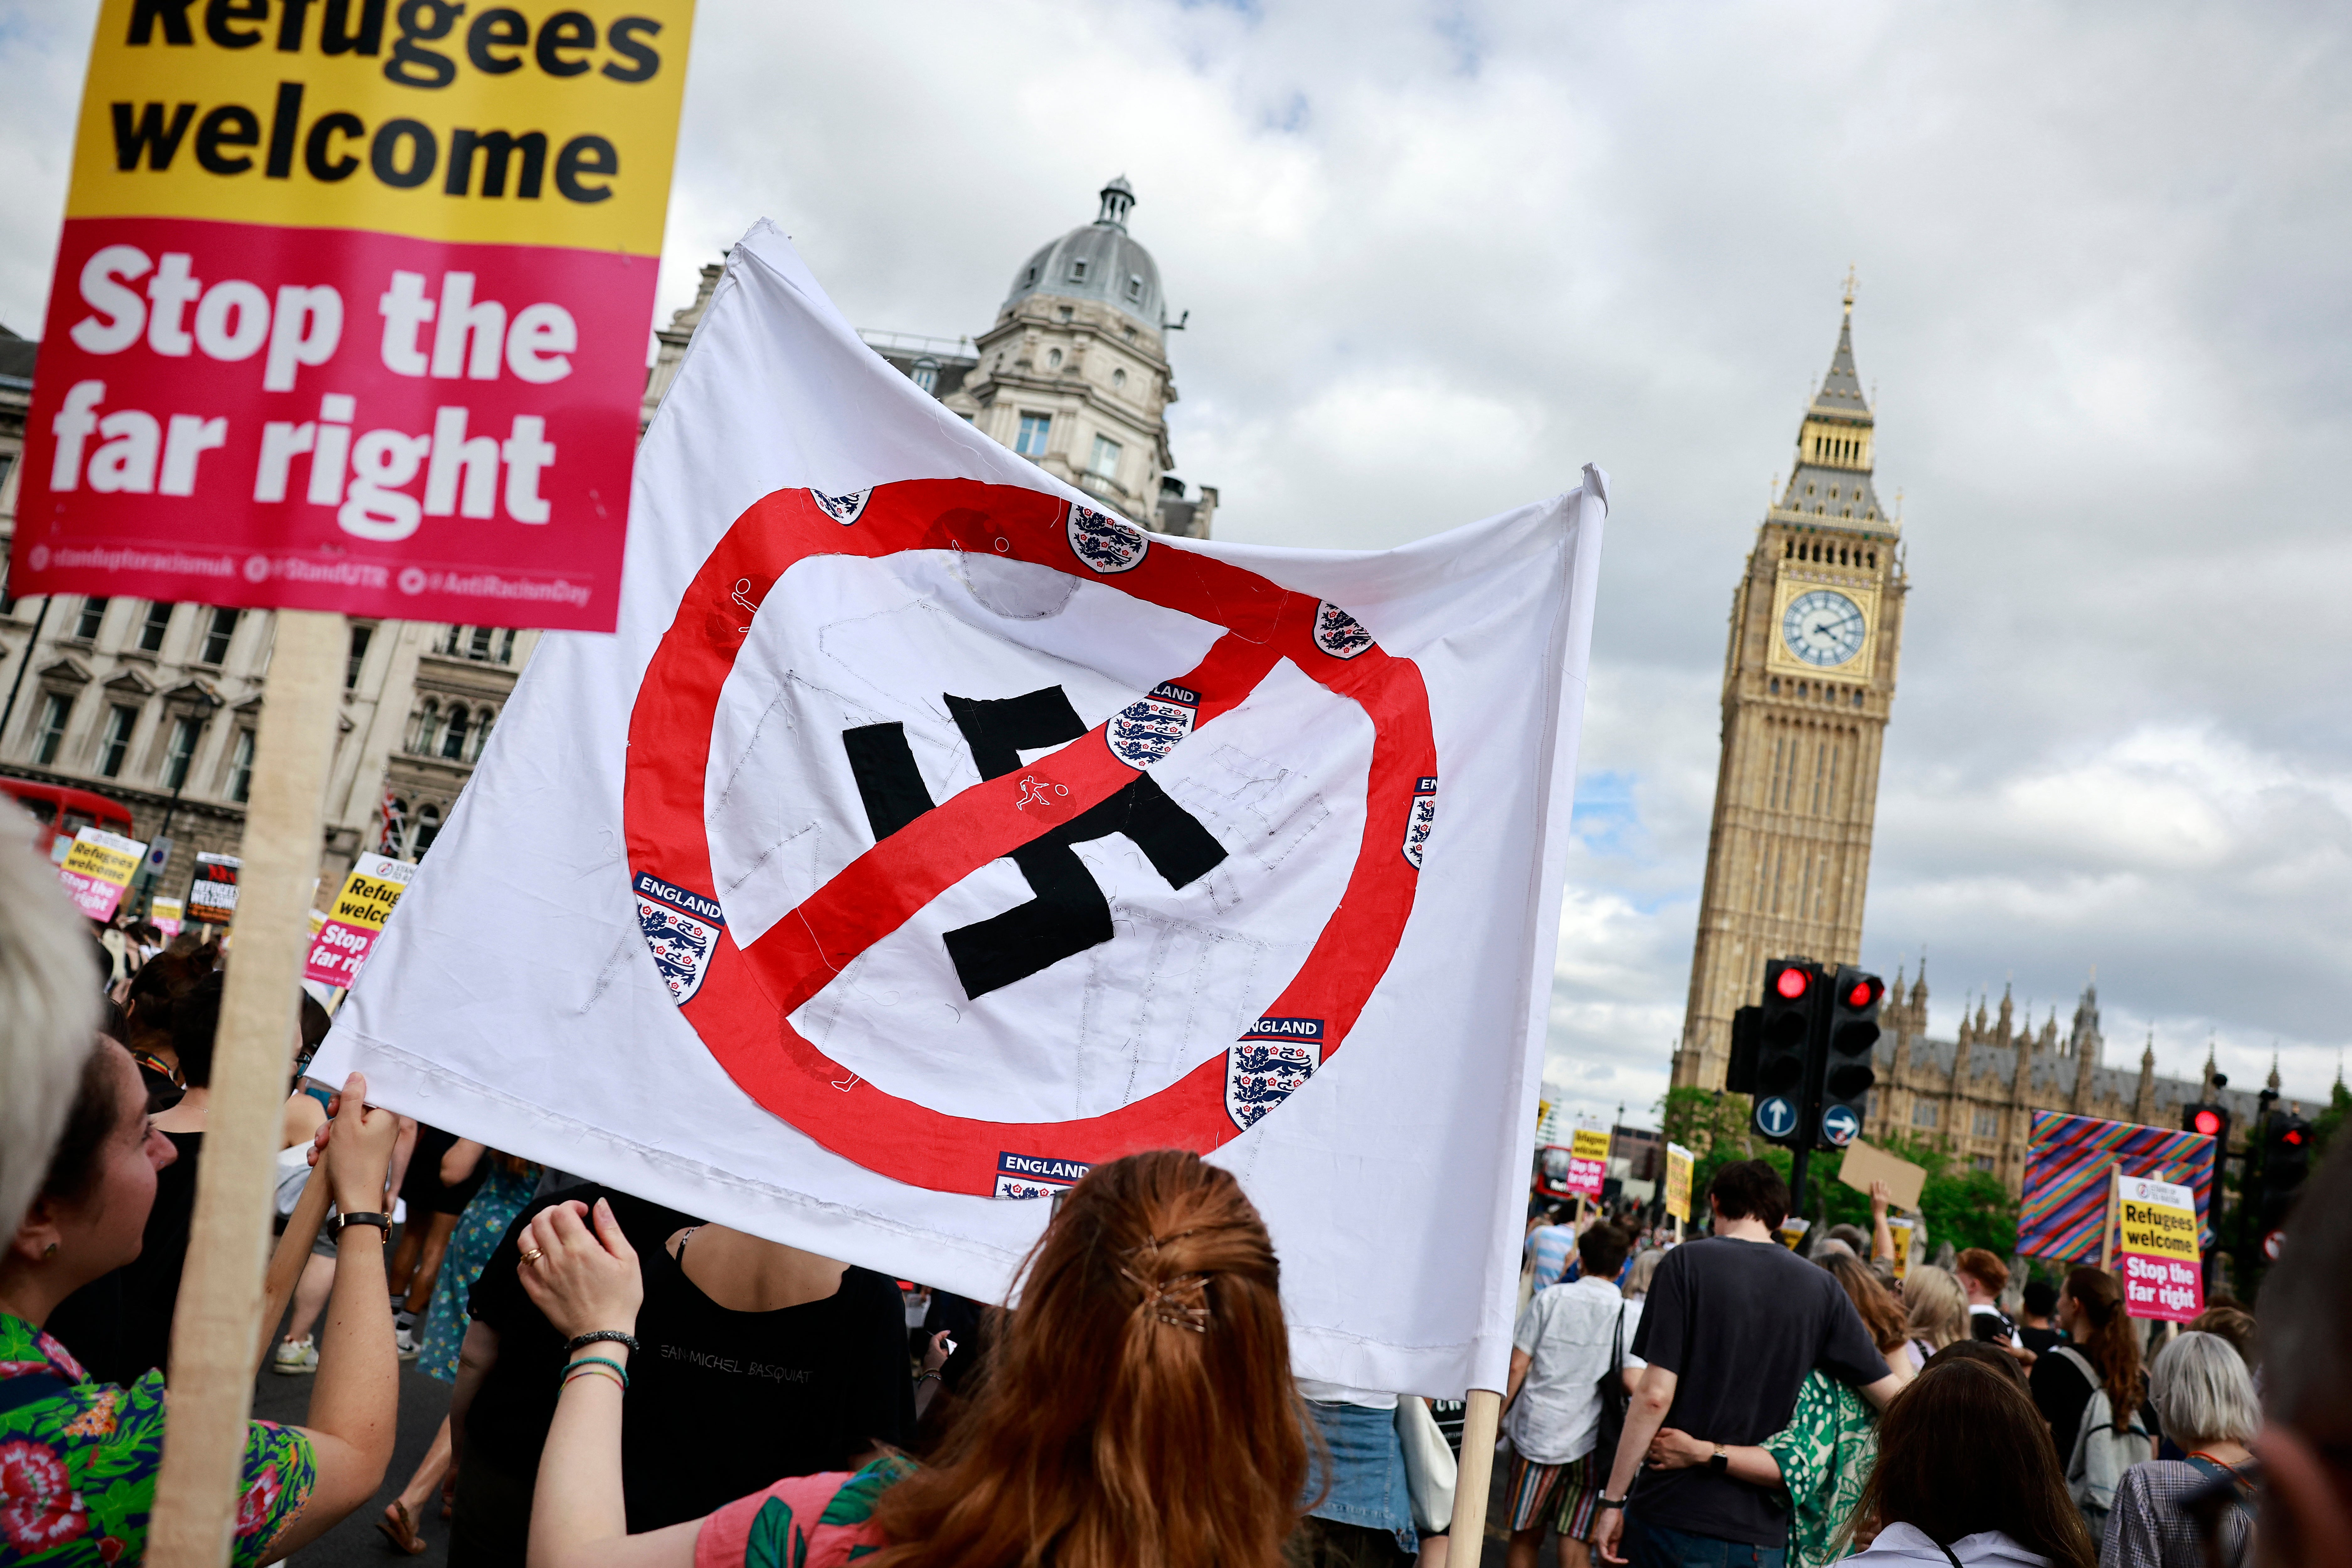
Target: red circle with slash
[(742, 1004)]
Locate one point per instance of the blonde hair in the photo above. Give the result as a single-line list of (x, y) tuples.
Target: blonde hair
[(50, 997), (1646, 1268), (1934, 1307)]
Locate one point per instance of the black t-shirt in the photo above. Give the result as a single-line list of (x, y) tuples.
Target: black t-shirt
[(1740, 1324), (2040, 1341), (423, 1188), (2060, 1393), (720, 1404)]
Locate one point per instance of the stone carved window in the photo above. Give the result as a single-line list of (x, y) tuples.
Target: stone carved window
[(1922, 1114)]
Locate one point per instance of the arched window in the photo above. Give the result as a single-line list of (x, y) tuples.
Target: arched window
[(927, 373), (453, 740), (429, 727), (428, 828), (482, 722)]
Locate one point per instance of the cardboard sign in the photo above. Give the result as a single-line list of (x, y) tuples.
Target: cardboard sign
[(1588, 1161), (2157, 1258), (1864, 1163), (212, 896), (340, 944), (1679, 1165), (166, 915), (96, 869), (349, 308), (1791, 1233), (1903, 1233)]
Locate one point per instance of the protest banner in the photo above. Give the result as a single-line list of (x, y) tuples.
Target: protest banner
[(834, 1010), (212, 891), (1865, 1162), (350, 309), (166, 915), (1588, 1159), (97, 869), (1552, 1171), (1790, 1233), (2157, 1255), (2070, 1163), (1679, 1166), (341, 940)]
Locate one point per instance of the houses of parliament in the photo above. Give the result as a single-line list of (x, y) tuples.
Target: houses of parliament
[(1808, 682)]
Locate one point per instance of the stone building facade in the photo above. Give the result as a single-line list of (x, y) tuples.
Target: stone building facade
[(1072, 374), (1974, 1094), (1808, 683)]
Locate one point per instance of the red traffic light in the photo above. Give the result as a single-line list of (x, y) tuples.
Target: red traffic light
[(2209, 1123), (1865, 991), (2292, 1137), (1791, 984)]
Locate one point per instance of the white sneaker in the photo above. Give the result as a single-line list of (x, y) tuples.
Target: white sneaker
[(404, 1340), (295, 1358)]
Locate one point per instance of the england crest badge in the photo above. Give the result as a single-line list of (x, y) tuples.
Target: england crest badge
[(843, 510), (1106, 544), (1338, 633), (681, 930), (1142, 732), (1267, 1063), (1036, 1175), (1418, 821)]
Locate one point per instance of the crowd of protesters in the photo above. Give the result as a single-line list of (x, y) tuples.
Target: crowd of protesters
[(632, 1385)]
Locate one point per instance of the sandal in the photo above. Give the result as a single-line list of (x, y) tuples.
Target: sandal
[(400, 1528)]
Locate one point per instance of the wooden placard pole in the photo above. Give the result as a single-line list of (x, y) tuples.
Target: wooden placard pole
[(1481, 1415), (2107, 1217), (217, 1321)]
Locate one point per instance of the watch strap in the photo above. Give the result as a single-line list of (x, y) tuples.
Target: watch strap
[(383, 1222)]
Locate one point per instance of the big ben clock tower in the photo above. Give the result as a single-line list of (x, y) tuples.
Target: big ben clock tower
[(1816, 627)]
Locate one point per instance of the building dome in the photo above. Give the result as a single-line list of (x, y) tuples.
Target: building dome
[(1099, 262)]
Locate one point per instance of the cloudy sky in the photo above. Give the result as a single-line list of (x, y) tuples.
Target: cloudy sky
[(1437, 256)]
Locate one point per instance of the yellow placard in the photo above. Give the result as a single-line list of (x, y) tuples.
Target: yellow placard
[(2159, 1230), (538, 123), (1679, 1165), (1902, 1232), (108, 857), (1589, 1143)]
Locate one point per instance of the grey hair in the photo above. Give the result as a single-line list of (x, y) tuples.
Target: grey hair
[(2203, 1392), (49, 1013)]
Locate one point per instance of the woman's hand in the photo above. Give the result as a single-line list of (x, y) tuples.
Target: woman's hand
[(583, 1280), (357, 1147), (936, 1356), (1675, 1450), (1879, 1198)]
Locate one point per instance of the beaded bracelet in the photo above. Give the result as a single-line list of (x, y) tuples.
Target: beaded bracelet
[(581, 1341), (618, 1370)]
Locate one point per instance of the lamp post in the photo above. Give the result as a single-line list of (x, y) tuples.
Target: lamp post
[(205, 704)]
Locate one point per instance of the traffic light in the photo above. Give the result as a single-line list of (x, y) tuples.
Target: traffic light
[(1846, 1072), (1747, 1036), (2213, 1121), (1784, 1037), (2286, 1160)]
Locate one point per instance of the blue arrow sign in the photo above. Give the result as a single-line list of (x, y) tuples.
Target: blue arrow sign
[(1775, 1116), (1839, 1124)]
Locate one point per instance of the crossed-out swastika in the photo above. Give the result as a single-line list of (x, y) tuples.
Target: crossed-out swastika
[(1068, 913)]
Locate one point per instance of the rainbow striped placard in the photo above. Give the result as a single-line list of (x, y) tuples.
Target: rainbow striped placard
[(2067, 1158)]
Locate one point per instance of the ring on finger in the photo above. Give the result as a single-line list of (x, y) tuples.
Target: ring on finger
[(533, 1256)]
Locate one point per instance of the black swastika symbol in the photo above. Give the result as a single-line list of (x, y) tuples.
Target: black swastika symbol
[(1069, 913)]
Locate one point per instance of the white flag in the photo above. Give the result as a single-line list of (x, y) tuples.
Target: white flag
[(927, 834)]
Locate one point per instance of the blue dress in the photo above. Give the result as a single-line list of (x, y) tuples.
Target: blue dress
[(502, 1196)]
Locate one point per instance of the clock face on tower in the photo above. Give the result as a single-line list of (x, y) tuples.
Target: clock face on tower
[(1823, 627)]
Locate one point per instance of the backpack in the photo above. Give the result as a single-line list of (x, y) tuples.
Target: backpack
[(2104, 1449), (1614, 1401)]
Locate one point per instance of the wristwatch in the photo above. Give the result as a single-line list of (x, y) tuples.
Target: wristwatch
[(1604, 1504), (1720, 1460), (344, 1222)]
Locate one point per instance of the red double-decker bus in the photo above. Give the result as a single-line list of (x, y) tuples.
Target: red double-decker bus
[(60, 811)]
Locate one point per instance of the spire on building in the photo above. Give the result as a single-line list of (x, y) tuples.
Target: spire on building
[(1117, 197), (2148, 1056), (2275, 1077), (1830, 480)]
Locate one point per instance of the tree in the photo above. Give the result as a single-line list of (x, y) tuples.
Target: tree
[(2324, 1126)]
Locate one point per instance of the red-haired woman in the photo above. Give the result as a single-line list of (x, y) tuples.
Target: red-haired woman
[(1137, 1411)]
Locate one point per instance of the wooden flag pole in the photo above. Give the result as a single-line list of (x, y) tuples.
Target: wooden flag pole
[(1481, 1416), (217, 1321)]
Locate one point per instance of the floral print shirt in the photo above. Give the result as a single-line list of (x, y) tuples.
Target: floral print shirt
[(78, 1460), (1826, 1453), (806, 1521)]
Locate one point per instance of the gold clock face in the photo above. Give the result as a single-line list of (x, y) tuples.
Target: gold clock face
[(1823, 622)]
